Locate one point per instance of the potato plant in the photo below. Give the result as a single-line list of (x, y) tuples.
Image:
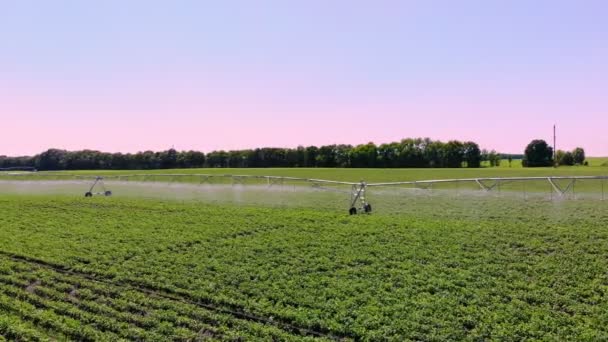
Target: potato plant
[(437, 269)]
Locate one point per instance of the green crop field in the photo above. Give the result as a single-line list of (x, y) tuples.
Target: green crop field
[(516, 163), (593, 188), (371, 175), (598, 161), (435, 268)]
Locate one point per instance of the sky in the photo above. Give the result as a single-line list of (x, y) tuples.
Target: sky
[(128, 76)]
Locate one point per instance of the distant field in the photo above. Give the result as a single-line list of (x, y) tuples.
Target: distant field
[(593, 161), (504, 163), (589, 188), (599, 161), (376, 175)]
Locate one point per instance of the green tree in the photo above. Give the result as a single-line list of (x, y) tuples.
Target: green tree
[(388, 155), (434, 153), (578, 156), (342, 155), (217, 159), (52, 159), (472, 154), (538, 153), (311, 153), (364, 155), (493, 158), (453, 154), (325, 156), (168, 159), (564, 158)]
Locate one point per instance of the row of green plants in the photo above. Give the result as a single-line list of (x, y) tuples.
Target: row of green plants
[(42, 304), (507, 270)]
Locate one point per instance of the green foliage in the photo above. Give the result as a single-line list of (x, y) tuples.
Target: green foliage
[(564, 158), (453, 154), (472, 154), (578, 155), (134, 269), (538, 153), (493, 158), (406, 153), (364, 155)]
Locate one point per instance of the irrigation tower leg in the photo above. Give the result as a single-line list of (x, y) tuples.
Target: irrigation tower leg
[(358, 196), (98, 182), (90, 192)]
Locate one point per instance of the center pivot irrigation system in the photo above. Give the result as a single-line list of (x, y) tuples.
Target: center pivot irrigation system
[(556, 187), (358, 203), (561, 185)]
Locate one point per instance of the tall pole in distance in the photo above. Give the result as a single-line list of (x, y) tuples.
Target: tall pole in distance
[(554, 147)]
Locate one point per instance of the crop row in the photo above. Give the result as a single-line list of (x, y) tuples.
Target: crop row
[(67, 305), (442, 272)]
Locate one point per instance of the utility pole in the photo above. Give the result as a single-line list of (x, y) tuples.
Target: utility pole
[(554, 147)]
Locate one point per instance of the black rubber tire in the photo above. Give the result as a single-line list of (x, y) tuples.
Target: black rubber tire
[(88, 194), (368, 208), (108, 193), (352, 211)]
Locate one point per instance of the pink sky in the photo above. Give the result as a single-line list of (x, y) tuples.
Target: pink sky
[(209, 76), (156, 114)]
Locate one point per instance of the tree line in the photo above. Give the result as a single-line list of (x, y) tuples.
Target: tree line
[(569, 158), (538, 154), (419, 152)]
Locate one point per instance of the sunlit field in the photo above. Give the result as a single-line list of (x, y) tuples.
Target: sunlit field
[(377, 175), (516, 163), (163, 259)]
